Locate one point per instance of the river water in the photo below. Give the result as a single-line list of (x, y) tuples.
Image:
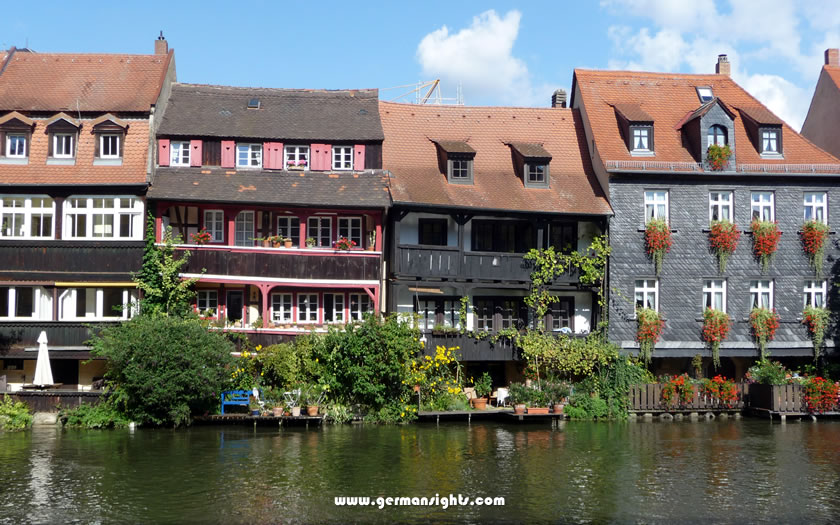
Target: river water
[(736, 471)]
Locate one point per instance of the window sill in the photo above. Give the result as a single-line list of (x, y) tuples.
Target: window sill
[(107, 162), (14, 160), (642, 153), (830, 232), (61, 162), (772, 156), (643, 230)]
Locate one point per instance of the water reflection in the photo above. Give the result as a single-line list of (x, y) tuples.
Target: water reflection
[(719, 471)]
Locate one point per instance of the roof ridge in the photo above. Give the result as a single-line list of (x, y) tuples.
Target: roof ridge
[(466, 107), (650, 73), (287, 90)]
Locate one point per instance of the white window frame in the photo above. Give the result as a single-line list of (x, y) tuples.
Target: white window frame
[(337, 310), (716, 200), (358, 312), (757, 290), (766, 140), (348, 225), (41, 304), (243, 236), (204, 298), (28, 213), (762, 204), (653, 200), (103, 141), (297, 154), (62, 139), (117, 211), (307, 304), (815, 288), (252, 155), (816, 208), (179, 153), (645, 290), (636, 134), (212, 219), (342, 154), (129, 296), (319, 238), (18, 138), (282, 308), (712, 288)]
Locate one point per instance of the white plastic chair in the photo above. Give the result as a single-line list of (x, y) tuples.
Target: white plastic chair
[(502, 395)]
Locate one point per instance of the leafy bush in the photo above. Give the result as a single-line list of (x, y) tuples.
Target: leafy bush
[(439, 378), (769, 373), (104, 414), (282, 364), (586, 406), (14, 415), (164, 369)]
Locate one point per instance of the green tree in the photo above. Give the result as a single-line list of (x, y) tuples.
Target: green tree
[(164, 291), (165, 368)]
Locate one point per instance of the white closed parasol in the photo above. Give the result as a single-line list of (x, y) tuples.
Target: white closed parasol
[(43, 372)]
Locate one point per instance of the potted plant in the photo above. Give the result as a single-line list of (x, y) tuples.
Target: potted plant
[(202, 237), (344, 244), (657, 241), (723, 239), (814, 235), (557, 393), (483, 386), (287, 242), (313, 396), (520, 396), (253, 405), (310, 242), (371, 241), (539, 402), (718, 156), (258, 323), (766, 237)]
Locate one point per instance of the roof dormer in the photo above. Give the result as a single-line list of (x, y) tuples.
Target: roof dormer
[(636, 128), (455, 159), (712, 124), (531, 163), (764, 130)]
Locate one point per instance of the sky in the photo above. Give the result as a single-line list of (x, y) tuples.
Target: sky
[(499, 53)]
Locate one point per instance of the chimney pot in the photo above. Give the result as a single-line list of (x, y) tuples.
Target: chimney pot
[(558, 99), (161, 45), (722, 67), (832, 56)]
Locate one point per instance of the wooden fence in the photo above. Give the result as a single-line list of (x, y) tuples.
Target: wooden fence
[(648, 398), (50, 401), (784, 399)]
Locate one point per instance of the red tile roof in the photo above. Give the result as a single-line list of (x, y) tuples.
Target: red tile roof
[(669, 98), (833, 73), (132, 171), (81, 82), (410, 154)]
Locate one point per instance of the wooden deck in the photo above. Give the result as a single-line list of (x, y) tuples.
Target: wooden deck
[(505, 415), (245, 419)]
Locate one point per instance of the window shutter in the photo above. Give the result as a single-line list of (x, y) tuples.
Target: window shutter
[(96, 140), (195, 153), (320, 157), (163, 152), (228, 153), (273, 155), (50, 141), (2, 143), (122, 142), (359, 157)]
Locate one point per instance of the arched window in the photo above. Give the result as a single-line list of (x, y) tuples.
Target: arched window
[(717, 135)]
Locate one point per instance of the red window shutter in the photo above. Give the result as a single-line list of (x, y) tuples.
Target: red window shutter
[(268, 157), (195, 153), (359, 157), (228, 154), (163, 152), (279, 157), (320, 157)]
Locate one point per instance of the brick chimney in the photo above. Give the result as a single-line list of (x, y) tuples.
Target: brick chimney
[(558, 99), (832, 56), (722, 66), (161, 45)]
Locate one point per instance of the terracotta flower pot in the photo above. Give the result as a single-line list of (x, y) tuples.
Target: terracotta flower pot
[(266, 243), (519, 409), (287, 244), (480, 403), (295, 411), (312, 410), (538, 410), (558, 408)]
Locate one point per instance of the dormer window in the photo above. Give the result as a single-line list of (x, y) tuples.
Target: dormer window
[(641, 138), (62, 145), (705, 94), (536, 173), (62, 130), (15, 130), (636, 128), (15, 146), (531, 163), (109, 132), (771, 141), (109, 146), (764, 130), (717, 135), (457, 160)]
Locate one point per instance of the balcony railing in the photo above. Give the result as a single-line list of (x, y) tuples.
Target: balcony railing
[(59, 333), (471, 349), (70, 260)]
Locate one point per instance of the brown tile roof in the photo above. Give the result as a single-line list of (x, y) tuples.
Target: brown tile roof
[(411, 157), (132, 171), (833, 73), (454, 146), (633, 112), (760, 115), (534, 151), (669, 98), (81, 82)]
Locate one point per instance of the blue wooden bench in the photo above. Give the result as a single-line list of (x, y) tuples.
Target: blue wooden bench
[(235, 398)]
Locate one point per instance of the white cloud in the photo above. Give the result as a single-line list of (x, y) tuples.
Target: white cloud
[(480, 57)]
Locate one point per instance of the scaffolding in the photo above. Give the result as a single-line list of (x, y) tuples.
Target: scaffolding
[(427, 92)]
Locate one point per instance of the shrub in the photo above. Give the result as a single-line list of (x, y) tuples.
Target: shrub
[(104, 414), (164, 369), (586, 406), (439, 378), (657, 241), (723, 239), (14, 415), (768, 372)]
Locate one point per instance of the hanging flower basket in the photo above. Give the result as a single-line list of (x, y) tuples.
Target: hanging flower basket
[(764, 323), (657, 241), (814, 235), (718, 156), (716, 326), (649, 330), (723, 239), (816, 319), (766, 237)]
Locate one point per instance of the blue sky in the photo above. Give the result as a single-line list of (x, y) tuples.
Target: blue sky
[(501, 53)]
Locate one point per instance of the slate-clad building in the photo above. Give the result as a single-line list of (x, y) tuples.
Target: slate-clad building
[(74, 168), (648, 134), (474, 189), (822, 125), (250, 166)]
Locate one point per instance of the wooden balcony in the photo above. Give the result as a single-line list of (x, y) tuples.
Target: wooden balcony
[(280, 263), (472, 349), (445, 262), (52, 260), (59, 333)]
